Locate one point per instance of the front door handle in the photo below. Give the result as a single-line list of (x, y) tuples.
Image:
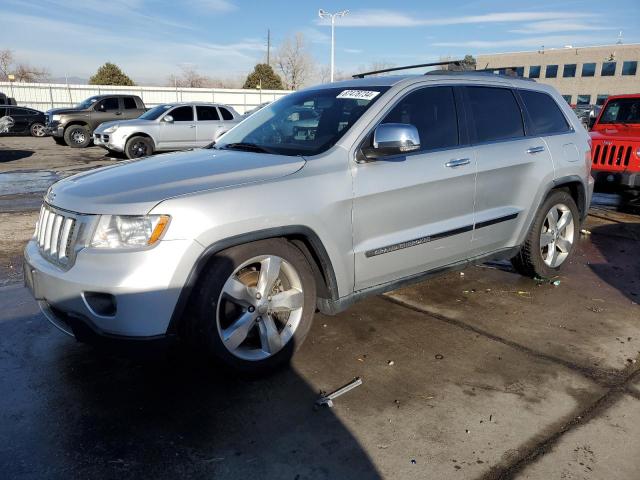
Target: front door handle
[(192, 126), (533, 150), (118, 113), (457, 163)]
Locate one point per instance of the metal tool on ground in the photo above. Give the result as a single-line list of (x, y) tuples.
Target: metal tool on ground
[(328, 399)]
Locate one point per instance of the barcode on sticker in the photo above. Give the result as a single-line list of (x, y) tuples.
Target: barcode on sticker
[(358, 94)]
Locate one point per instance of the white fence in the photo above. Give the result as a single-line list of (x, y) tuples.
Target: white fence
[(43, 96)]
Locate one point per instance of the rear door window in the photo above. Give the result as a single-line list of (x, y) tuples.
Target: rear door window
[(129, 103), (207, 113), (226, 114), (432, 111), (495, 112), (182, 114), (546, 117)]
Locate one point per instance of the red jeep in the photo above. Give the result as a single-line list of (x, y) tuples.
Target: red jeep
[(616, 142)]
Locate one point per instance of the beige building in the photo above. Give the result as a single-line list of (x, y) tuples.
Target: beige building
[(583, 75)]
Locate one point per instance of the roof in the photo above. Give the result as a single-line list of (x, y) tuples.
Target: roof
[(561, 49)]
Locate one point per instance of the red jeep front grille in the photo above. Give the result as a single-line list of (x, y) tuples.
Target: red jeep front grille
[(611, 157)]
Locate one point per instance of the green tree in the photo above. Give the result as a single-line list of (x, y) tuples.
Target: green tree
[(110, 74), (263, 76)]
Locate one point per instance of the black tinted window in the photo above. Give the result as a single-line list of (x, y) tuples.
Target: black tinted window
[(130, 103), (109, 104), (546, 117), (496, 113), (433, 112), (588, 69), (226, 114), (534, 71), (207, 113), (17, 111), (569, 70), (629, 68), (608, 69), (182, 114), (552, 71)]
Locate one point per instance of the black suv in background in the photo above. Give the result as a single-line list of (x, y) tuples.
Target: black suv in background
[(26, 120), (75, 126)]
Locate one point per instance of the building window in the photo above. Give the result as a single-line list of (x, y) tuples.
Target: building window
[(519, 71), (569, 70), (534, 71), (567, 98), (552, 71), (601, 98), (608, 69), (629, 68), (588, 69), (584, 99)]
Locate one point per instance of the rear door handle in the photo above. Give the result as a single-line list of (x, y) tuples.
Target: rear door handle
[(192, 126), (533, 150), (457, 163)]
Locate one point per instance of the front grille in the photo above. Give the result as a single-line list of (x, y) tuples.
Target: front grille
[(611, 157), (56, 232)]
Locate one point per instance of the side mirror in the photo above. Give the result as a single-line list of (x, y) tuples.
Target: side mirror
[(167, 118), (392, 139)]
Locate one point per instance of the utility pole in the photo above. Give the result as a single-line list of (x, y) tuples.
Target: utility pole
[(268, 46), (324, 14)]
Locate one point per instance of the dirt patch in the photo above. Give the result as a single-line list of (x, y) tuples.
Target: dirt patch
[(15, 231)]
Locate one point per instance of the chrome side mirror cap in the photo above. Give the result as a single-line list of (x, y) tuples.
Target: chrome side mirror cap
[(167, 118), (392, 139)]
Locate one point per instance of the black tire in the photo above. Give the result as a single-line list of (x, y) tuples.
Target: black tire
[(77, 136), (529, 261), (37, 130), (138, 147), (59, 141), (202, 324)]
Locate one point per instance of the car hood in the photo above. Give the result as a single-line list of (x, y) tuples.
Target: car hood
[(135, 187), (616, 132), (136, 122), (63, 111)]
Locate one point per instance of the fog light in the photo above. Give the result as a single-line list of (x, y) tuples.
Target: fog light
[(100, 304)]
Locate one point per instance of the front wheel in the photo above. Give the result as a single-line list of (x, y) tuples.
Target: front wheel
[(138, 147), (552, 237), (77, 136), (254, 306)]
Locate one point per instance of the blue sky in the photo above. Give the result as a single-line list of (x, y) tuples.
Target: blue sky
[(151, 39)]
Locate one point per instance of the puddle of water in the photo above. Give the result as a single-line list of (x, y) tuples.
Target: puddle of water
[(27, 182)]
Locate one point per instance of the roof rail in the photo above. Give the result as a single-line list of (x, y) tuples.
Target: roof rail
[(408, 67), (488, 72)]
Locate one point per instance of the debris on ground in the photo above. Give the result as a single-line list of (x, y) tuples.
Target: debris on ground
[(555, 283), (462, 274), (595, 309), (413, 461), (327, 399), (390, 363), (439, 356), (584, 231)]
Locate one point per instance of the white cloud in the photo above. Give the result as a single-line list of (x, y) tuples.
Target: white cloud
[(216, 5), (526, 42), (392, 18), (551, 26)]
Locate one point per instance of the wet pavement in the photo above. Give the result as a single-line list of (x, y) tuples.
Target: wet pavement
[(476, 376)]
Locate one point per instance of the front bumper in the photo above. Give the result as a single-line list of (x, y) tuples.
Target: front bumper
[(617, 179), (54, 130), (108, 142), (144, 285)]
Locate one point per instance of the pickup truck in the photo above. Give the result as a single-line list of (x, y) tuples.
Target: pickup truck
[(616, 143), (75, 126)]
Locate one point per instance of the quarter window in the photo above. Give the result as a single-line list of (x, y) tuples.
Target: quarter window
[(584, 99), (552, 71), (588, 69), (432, 111), (207, 113), (226, 114), (546, 116), (629, 68), (534, 71), (496, 113), (182, 114), (569, 70), (608, 69), (129, 103)]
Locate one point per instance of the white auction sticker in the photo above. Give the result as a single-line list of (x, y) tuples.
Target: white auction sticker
[(358, 94)]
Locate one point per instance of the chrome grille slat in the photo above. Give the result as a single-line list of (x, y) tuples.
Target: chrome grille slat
[(65, 237), (56, 234), (47, 232)]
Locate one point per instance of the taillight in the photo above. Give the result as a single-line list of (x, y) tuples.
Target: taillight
[(587, 155)]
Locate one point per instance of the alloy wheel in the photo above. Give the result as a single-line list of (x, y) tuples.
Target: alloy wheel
[(557, 235), (260, 307), (38, 130), (78, 136)]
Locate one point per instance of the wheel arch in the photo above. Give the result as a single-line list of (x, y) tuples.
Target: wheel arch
[(574, 185), (303, 237)]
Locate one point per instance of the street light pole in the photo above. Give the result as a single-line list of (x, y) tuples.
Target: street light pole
[(324, 14)]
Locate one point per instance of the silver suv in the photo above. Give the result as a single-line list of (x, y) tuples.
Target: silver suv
[(235, 247), (172, 126)]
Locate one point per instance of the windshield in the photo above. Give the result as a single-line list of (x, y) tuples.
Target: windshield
[(303, 123), (87, 103), (622, 110), (155, 112)]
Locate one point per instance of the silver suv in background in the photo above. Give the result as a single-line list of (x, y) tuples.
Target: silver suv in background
[(172, 126), (391, 180)]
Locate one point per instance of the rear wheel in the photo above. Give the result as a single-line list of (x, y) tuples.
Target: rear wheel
[(552, 237), (77, 136), (37, 130), (254, 306), (138, 147)]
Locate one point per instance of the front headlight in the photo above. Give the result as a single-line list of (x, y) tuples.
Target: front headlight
[(55, 118), (129, 231), (111, 129)]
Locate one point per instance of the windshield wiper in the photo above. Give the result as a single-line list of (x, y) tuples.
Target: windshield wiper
[(250, 147)]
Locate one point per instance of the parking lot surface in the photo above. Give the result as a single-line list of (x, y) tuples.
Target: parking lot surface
[(484, 374)]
